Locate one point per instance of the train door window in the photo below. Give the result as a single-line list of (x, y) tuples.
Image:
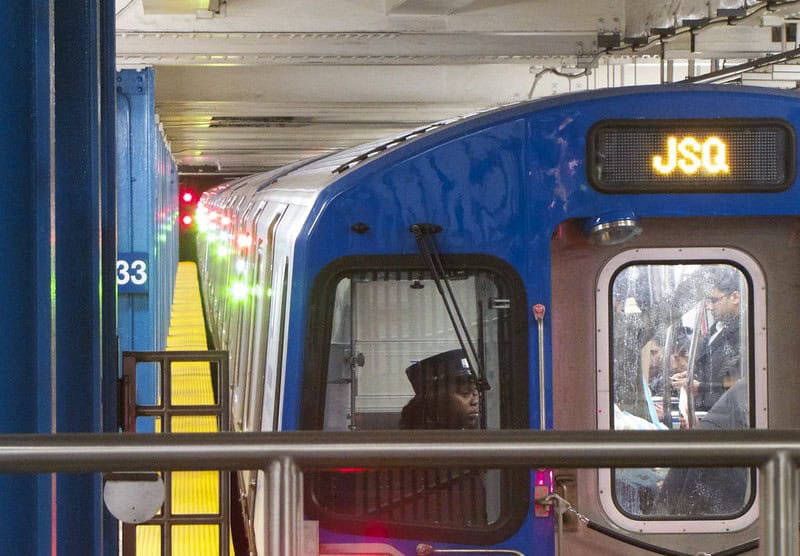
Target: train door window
[(681, 332), (242, 292), (247, 264), (265, 249), (394, 361)]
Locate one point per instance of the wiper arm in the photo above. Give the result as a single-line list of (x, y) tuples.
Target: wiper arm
[(424, 233)]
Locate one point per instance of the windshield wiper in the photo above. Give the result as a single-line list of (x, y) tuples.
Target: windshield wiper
[(424, 234)]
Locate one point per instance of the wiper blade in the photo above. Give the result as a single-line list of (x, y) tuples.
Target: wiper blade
[(424, 235)]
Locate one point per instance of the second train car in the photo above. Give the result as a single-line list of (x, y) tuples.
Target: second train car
[(650, 234)]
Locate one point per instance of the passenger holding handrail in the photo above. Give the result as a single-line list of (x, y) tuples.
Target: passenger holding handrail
[(718, 362)]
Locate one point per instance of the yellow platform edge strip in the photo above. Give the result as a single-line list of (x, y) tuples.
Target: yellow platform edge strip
[(192, 491)]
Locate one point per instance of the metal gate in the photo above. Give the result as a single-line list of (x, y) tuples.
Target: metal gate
[(175, 411)]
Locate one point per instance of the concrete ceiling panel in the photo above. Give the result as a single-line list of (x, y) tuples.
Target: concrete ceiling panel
[(245, 85)]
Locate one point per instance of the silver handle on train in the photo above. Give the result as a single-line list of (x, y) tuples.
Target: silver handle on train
[(538, 314)]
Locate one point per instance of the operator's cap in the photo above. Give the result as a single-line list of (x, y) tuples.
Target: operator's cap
[(448, 367)]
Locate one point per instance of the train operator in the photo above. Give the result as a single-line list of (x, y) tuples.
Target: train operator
[(445, 394)]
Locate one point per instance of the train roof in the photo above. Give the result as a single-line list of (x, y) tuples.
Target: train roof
[(307, 177)]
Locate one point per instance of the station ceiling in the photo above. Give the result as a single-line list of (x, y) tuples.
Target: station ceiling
[(248, 85)]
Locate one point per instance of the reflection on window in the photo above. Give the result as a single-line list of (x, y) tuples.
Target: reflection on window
[(680, 359), (395, 362)]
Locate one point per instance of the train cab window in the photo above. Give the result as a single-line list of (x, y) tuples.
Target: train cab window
[(394, 362), (678, 339)]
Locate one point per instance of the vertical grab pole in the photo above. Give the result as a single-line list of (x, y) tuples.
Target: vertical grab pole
[(288, 511), (284, 508), (538, 314), (779, 506), (299, 513), (273, 473)]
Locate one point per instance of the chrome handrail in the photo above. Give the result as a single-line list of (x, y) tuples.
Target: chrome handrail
[(284, 454)]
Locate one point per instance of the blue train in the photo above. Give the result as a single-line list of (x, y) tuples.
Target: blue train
[(621, 259)]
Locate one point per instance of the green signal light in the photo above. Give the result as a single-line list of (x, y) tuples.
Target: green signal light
[(239, 291)]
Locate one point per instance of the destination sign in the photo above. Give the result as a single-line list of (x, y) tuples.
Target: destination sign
[(682, 156)]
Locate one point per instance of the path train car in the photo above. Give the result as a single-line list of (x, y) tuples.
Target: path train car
[(656, 228)]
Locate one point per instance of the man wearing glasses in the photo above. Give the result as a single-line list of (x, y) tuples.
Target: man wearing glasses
[(718, 363), (698, 492)]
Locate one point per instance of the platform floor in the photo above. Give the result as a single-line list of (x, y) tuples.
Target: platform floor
[(194, 492)]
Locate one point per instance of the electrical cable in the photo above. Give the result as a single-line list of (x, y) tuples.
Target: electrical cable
[(738, 549), (634, 542), (562, 504), (125, 7), (662, 38)]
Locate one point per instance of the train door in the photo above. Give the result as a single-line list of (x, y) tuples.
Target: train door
[(229, 225), (242, 293), (258, 390), (687, 326)]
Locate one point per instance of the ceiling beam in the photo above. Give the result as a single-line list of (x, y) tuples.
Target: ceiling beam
[(425, 7), (382, 48)]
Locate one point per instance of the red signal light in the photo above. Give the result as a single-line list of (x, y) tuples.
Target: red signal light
[(188, 200)]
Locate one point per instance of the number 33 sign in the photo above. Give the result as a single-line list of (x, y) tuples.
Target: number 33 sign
[(132, 272)]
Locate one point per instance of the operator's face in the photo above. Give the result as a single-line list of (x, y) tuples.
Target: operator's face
[(463, 407)]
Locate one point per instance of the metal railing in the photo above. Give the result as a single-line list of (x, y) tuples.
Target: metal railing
[(165, 410), (283, 455)]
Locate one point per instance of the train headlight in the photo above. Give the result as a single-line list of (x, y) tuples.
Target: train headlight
[(613, 229)]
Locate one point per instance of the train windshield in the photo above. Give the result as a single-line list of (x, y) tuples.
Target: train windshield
[(395, 362), (680, 359), (398, 345)]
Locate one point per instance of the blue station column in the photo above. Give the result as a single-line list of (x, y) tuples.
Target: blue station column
[(27, 282), (108, 248), (57, 230), (85, 245)]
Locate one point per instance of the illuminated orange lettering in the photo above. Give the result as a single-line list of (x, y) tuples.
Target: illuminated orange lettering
[(718, 161), (690, 148), (672, 158), (689, 155)]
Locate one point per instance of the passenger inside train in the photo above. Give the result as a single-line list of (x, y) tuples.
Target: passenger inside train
[(718, 366), (673, 323), (710, 491)]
